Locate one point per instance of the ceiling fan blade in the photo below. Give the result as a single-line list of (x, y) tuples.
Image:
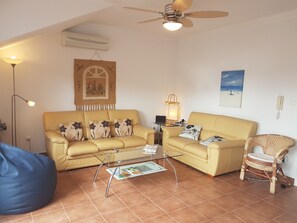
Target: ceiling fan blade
[(186, 22), (181, 5), (151, 20), (143, 10), (206, 14)]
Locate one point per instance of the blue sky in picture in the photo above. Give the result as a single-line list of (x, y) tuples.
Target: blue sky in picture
[(232, 80)]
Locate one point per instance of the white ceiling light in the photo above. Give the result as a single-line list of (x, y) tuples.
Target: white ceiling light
[(172, 25)]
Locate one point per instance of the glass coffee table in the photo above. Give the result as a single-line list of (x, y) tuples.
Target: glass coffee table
[(118, 158)]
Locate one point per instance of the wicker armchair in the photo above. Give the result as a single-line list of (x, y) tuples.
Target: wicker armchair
[(266, 162)]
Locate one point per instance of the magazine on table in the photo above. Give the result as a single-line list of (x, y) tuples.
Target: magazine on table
[(135, 170), (150, 148), (211, 139)]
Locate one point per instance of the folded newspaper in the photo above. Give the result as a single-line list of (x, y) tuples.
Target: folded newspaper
[(150, 148), (211, 139)]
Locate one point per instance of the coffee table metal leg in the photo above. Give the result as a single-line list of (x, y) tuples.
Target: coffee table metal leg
[(109, 181), (171, 164), (99, 167), (97, 172)]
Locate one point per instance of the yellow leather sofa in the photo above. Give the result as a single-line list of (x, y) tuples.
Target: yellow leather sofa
[(77, 154), (218, 157)]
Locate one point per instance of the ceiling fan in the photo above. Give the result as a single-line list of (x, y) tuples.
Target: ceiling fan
[(175, 17)]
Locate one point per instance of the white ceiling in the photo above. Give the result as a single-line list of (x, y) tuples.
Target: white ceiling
[(239, 11), (38, 17)]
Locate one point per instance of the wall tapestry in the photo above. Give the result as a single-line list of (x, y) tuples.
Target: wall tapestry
[(231, 88), (94, 84)]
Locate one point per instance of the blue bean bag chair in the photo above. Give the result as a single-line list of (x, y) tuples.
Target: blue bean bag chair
[(27, 180)]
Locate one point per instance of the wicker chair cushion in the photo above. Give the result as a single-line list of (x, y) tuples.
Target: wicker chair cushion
[(261, 157)]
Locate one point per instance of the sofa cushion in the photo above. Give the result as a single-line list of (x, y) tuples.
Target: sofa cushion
[(179, 142), (132, 141), (229, 126), (94, 116), (123, 127), (197, 149), (191, 132), (204, 119), (81, 148), (72, 131), (108, 143), (99, 129)]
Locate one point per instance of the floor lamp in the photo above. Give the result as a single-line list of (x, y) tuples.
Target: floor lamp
[(14, 61)]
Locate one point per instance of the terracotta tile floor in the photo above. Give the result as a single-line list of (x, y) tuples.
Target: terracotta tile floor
[(157, 198)]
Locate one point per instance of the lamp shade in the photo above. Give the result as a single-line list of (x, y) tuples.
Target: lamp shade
[(31, 103), (172, 112), (13, 60), (173, 107), (172, 25)]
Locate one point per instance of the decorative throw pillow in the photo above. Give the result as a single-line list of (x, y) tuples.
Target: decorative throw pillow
[(99, 129), (211, 139), (191, 132), (72, 131), (123, 127)]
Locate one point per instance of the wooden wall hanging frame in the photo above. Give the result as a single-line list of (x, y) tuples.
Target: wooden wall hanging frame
[(94, 84)]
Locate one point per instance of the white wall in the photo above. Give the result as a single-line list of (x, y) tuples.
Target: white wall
[(144, 65), (267, 51)]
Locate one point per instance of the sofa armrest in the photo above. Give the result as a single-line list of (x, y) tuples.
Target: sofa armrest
[(225, 156), (56, 148), (55, 137), (172, 131), (144, 132)]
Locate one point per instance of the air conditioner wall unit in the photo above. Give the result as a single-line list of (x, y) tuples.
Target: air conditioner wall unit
[(86, 41)]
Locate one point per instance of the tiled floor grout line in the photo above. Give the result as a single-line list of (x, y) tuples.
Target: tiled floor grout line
[(129, 207), (171, 210), (65, 212), (153, 201), (93, 204), (32, 219)]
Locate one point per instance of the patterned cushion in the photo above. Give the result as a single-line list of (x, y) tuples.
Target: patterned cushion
[(99, 129), (123, 127), (191, 132), (72, 131)]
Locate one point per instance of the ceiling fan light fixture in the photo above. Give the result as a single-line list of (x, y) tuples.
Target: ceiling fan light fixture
[(172, 25)]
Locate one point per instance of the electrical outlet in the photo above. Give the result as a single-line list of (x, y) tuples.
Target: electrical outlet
[(3, 126)]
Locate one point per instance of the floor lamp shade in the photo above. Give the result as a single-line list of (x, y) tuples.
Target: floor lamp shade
[(13, 60)]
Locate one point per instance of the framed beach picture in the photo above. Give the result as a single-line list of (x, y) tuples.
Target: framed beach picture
[(231, 88)]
